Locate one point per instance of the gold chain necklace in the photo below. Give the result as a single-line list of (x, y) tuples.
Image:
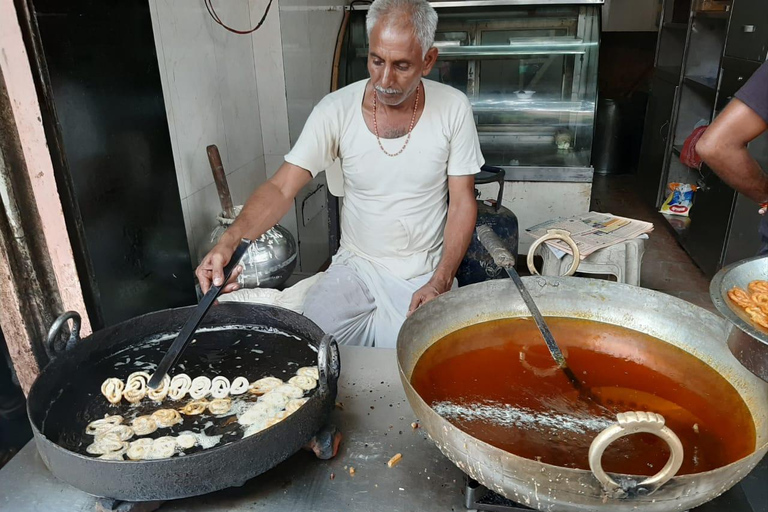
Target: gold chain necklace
[(410, 128)]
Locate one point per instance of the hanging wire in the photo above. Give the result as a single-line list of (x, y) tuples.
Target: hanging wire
[(209, 7)]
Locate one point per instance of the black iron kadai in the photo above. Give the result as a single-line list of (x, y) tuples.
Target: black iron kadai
[(234, 339)]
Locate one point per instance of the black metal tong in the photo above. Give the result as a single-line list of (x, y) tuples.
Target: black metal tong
[(189, 328)]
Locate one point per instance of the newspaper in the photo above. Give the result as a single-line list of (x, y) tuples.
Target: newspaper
[(592, 231)]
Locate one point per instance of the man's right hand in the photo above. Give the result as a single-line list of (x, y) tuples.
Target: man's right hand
[(273, 199), (211, 269)]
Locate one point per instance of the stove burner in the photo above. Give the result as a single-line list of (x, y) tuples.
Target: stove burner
[(110, 505), (477, 497), (481, 499)]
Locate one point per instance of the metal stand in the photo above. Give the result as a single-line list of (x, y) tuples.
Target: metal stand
[(477, 497), (110, 505), (324, 444)]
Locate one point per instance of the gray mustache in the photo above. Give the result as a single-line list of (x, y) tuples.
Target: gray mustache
[(387, 91)]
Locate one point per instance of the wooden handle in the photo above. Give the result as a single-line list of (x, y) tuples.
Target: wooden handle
[(501, 256), (220, 178)]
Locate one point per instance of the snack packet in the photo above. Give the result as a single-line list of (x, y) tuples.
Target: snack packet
[(680, 199)]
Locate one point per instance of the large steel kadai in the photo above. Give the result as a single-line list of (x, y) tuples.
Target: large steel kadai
[(552, 488)]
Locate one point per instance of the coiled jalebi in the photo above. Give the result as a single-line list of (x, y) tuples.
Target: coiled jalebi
[(758, 316), (159, 394), (219, 405), (264, 385), (740, 297), (136, 387), (162, 448), (102, 425), (138, 449), (305, 382), (295, 404), (309, 371), (108, 445), (761, 300), (758, 286), (186, 440), (220, 387), (179, 386), (166, 417), (194, 407), (200, 387), (754, 302), (289, 390), (239, 386), (112, 389), (144, 425), (116, 432)]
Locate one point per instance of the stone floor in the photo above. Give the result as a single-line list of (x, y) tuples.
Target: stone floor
[(666, 266)]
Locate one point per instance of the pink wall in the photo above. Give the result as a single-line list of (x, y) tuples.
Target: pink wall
[(16, 71)]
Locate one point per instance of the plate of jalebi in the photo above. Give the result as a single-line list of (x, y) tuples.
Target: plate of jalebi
[(740, 293)]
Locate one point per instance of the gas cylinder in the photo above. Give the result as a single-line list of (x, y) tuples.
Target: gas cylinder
[(478, 265)]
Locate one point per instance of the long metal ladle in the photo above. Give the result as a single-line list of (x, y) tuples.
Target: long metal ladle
[(190, 326), (505, 260)]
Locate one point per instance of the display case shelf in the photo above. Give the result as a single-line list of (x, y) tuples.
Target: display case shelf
[(712, 15), (670, 74), (543, 107), (530, 73), (455, 52), (676, 26), (704, 84)]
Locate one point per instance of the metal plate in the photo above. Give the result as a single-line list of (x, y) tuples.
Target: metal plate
[(553, 488), (749, 342)]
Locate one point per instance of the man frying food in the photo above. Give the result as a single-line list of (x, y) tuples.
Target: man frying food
[(406, 146)]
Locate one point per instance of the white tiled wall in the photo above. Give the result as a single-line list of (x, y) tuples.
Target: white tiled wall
[(270, 79), (250, 95), (309, 31), (211, 96)]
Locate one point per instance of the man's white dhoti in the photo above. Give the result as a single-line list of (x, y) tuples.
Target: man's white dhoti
[(360, 302)]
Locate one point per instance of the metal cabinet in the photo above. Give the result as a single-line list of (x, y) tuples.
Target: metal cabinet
[(710, 218), (724, 224), (709, 59), (735, 74), (655, 137), (748, 33)]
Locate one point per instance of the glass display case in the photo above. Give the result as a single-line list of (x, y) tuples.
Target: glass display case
[(530, 72)]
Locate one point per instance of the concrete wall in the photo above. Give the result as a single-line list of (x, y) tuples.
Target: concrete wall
[(630, 15), (211, 96)]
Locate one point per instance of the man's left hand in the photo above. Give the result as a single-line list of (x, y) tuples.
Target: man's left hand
[(426, 293)]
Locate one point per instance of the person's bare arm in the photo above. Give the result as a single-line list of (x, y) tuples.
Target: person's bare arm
[(264, 209), (459, 226), (723, 147)]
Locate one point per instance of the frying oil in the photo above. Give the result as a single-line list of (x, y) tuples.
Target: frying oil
[(497, 381)]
